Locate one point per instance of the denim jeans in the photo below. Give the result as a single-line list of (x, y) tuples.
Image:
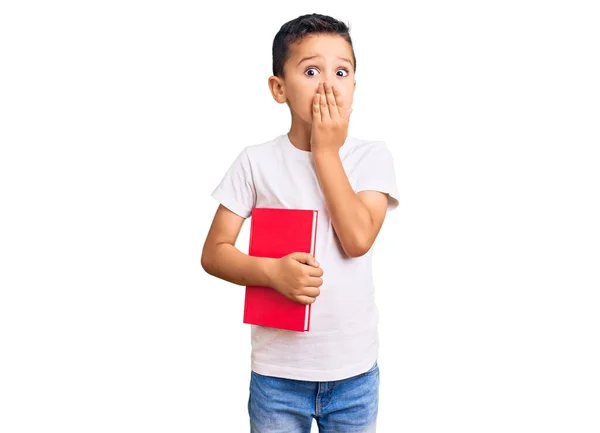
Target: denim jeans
[(278, 405)]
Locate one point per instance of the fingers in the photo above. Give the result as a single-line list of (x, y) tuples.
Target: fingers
[(314, 282), (305, 299), (328, 104), (342, 109), (311, 292), (304, 258), (317, 107), (324, 106), (315, 272), (308, 296), (310, 260), (333, 109), (338, 99)]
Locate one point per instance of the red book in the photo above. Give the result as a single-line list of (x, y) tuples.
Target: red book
[(276, 233)]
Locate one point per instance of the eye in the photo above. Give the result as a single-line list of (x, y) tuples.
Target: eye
[(310, 75), (341, 69)]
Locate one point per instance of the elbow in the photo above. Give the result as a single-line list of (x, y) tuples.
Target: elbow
[(354, 253), (205, 262), (357, 249)]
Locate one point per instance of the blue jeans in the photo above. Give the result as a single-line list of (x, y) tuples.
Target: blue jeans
[(278, 405)]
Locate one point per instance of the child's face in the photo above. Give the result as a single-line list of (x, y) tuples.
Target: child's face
[(302, 77)]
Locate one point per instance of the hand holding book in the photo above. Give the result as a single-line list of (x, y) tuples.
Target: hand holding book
[(297, 276)]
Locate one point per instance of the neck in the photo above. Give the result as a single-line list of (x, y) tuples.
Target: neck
[(299, 134)]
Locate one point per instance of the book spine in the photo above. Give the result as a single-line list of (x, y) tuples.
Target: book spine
[(312, 251)]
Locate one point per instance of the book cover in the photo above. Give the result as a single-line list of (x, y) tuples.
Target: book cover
[(276, 233)]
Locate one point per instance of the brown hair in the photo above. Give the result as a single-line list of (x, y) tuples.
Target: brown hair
[(293, 31)]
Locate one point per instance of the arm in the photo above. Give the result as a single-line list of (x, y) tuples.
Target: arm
[(356, 217), (222, 259), (296, 276)]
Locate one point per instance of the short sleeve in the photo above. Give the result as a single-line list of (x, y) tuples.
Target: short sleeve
[(376, 173), (236, 190)]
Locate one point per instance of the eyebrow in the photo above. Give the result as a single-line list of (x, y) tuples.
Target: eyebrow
[(312, 57)]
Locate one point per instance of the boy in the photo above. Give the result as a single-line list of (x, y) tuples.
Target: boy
[(329, 373)]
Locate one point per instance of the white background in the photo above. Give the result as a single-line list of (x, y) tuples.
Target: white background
[(119, 118)]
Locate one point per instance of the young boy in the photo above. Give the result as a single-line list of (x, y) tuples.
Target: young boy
[(329, 373)]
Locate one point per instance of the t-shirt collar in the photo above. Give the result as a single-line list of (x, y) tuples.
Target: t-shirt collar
[(294, 152)]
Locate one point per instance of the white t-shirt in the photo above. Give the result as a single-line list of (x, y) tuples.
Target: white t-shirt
[(343, 338)]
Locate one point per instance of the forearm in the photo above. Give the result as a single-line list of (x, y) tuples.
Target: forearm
[(226, 262), (350, 217)]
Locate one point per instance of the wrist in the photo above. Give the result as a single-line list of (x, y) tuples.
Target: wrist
[(324, 153), (269, 270)]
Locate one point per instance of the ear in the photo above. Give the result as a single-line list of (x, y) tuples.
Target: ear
[(276, 88)]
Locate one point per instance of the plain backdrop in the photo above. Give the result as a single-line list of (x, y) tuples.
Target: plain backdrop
[(119, 118)]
